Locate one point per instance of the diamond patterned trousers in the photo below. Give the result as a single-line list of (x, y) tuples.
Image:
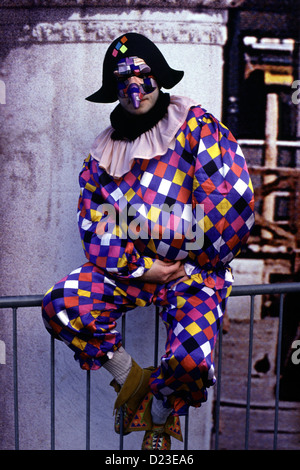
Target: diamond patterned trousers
[(82, 310)]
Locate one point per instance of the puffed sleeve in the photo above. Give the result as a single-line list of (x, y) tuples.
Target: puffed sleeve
[(104, 243), (223, 189)]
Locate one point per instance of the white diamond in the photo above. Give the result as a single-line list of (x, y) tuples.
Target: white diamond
[(178, 329), (206, 348), (71, 284), (164, 187), (116, 194), (146, 178), (240, 186), (63, 317)]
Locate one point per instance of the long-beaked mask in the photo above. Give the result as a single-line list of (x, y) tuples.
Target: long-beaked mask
[(134, 79)]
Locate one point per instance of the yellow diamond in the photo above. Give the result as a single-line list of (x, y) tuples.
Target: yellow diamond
[(196, 184), (140, 302), (119, 291), (117, 231), (84, 293), (193, 328), (148, 262), (173, 362), (95, 215), (180, 301), (192, 123), (90, 187), (48, 291), (224, 206), (77, 323), (153, 213), (79, 343), (122, 261), (179, 177), (223, 125), (210, 317), (181, 139), (95, 313), (214, 151), (129, 195), (207, 223)]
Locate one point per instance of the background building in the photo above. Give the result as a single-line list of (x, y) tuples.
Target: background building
[(261, 106)]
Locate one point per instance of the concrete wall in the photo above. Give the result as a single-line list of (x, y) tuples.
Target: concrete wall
[(51, 59)]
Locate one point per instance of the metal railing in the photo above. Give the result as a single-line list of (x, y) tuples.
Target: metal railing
[(253, 291), (15, 302)]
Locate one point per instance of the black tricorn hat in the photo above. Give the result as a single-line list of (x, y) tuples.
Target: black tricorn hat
[(129, 45)]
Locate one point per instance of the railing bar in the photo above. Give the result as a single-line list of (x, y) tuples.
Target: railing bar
[(52, 391), (21, 301), (218, 399), (237, 290), (121, 441), (278, 371), (156, 336), (249, 372), (259, 289), (123, 330), (15, 375), (186, 432), (280, 143), (88, 409)]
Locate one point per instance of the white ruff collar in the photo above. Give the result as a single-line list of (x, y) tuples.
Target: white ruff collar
[(116, 156)]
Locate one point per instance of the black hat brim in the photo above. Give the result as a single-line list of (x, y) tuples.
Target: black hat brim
[(142, 47)]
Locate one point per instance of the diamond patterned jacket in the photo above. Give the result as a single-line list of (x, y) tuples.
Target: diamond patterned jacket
[(194, 203)]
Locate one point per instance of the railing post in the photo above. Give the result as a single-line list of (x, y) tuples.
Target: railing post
[(52, 391), (156, 336), (186, 432), (88, 408), (218, 399), (278, 371), (121, 409), (15, 374), (249, 372)]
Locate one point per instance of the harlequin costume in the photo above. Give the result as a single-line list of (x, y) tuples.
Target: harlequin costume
[(141, 188)]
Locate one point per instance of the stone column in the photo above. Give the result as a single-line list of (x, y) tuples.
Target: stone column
[(51, 59)]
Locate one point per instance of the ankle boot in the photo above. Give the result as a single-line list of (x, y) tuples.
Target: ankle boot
[(130, 395), (158, 436)]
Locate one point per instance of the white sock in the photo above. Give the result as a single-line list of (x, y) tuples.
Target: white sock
[(158, 412), (119, 365)]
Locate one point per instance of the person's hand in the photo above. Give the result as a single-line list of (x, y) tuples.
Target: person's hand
[(162, 272), (181, 279)]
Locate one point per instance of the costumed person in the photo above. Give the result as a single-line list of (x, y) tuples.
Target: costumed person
[(165, 204)]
